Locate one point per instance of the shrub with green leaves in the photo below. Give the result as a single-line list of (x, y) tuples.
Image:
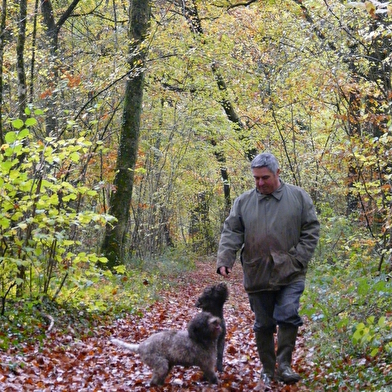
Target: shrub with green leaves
[(347, 306), (44, 211), (373, 335)]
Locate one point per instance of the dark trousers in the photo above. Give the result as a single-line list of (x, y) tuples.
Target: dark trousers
[(272, 308)]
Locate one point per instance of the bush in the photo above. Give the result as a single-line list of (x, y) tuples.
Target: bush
[(44, 211), (347, 303)]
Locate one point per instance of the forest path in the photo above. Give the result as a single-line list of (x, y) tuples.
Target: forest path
[(94, 364)]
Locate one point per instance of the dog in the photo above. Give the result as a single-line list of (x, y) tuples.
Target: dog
[(194, 347), (212, 300)]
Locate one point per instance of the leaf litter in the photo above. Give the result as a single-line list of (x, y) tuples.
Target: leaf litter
[(92, 364)]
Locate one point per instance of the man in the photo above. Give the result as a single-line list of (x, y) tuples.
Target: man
[(276, 228)]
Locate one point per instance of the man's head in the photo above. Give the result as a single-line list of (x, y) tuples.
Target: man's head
[(265, 170)]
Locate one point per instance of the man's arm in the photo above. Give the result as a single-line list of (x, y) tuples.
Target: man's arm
[(232, 238), (309, 235)]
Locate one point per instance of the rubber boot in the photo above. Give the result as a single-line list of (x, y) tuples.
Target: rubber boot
[(266, 349), (287, 335)]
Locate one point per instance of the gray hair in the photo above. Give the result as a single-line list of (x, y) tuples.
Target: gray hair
[(267, 160)]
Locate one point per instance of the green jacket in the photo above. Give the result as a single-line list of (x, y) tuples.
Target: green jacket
[(277, 235)]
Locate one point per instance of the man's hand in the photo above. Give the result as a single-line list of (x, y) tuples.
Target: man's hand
[(225, 271)]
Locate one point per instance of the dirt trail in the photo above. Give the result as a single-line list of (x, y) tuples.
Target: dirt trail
[(93, 364)]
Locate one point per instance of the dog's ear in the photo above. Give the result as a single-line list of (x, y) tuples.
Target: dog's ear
[(224, 291), (195, 324), (204, 328)]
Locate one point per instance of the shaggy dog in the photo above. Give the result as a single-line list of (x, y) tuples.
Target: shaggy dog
[(212, 300), (194, 347)]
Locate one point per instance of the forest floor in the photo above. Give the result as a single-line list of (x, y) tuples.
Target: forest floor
[(63, 362)]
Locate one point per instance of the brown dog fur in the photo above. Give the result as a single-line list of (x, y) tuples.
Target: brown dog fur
[(194, 347)]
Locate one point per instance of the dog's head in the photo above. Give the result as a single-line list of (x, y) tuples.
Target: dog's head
[(215, 295), (204, 328)]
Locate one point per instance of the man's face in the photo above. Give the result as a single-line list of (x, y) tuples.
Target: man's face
[(266, 181)]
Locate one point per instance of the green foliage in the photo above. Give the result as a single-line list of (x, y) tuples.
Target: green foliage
[(372, 335), (348, 305), (41, 224), (328, 132), (23, 323), (173, 262), (92, 298), (100, 291)]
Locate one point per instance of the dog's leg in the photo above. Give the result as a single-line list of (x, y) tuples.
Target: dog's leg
[(221, 347), (160, 369), (210, 376), (208, 372)]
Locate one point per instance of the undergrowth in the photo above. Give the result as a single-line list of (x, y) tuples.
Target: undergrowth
[(96, 299), (347, 304)]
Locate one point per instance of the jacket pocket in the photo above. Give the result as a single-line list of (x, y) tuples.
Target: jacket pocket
[(256, 274), (285, 267)]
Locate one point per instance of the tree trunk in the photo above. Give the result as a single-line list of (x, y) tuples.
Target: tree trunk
[(2, 45), (114, 243), (22, 89), (52, 33)]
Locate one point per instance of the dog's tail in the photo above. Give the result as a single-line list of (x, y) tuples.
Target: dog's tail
[(130, 346)]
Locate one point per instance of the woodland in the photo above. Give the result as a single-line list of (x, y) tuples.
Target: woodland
[(127, 128)]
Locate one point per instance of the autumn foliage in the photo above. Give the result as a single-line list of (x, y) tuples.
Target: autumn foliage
[(307, 80), (66, 360)]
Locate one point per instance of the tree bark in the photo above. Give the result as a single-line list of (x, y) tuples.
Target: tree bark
[(22, 88), (22, 94), (52, 32), (115, 237), (2, 46)]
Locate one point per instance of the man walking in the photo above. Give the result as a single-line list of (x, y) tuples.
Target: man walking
[(276, 228)]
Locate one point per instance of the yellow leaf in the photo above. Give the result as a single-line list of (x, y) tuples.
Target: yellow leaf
[(370, 7)]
